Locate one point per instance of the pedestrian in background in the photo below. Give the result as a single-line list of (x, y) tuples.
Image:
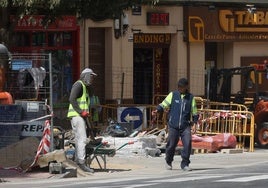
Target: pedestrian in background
[(78, 112), (95, 110), (182, 121)]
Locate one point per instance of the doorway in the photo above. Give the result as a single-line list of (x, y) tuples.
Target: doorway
[(143, 75), (150, 74), (96, 59)]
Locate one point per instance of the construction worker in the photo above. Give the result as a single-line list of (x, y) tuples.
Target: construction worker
[(78, 112), (182, 106)]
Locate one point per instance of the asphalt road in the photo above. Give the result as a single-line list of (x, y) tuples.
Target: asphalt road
[(209, 170), (250, 176)]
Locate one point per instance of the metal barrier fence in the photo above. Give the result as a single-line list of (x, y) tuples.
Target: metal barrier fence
[(110, 111), (205, 104), (218, 117), (238, 123), (215, 118)]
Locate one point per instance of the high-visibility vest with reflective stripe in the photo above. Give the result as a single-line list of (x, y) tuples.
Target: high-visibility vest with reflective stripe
[(182, 107), (82, 102)]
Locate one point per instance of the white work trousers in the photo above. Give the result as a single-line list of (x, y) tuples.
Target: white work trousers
[(79, 129)]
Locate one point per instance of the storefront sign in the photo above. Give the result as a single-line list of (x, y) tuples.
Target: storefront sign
[(32, 129), (158, 73), (226, 25), (155, 18), (152, 38), (36, 23), (136, 10), (243, 21)]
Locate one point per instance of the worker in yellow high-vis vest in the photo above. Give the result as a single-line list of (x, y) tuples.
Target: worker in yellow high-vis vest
[(183, 117), (78, 112)]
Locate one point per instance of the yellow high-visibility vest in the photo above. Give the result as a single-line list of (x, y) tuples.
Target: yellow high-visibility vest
[(82, 102)]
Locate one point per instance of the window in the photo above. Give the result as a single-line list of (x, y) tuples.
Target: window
[(59, 39), (38, 39), (21, 39)]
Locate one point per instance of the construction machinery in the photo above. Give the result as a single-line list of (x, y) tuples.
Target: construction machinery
[(253, 93)]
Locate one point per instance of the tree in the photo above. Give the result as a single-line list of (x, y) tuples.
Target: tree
[(97, 10)]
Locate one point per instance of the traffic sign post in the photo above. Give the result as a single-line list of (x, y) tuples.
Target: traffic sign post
[(137, 115)]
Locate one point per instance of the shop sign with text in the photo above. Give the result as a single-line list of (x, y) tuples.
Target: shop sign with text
[(36, 23), (151, 38), (227, 24)]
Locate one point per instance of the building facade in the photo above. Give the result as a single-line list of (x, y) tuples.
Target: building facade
[(31, 39), (156, 46), (147, 59), (140, 56)]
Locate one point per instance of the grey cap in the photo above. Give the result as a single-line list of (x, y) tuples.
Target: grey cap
[(182, 82), (88, 70)]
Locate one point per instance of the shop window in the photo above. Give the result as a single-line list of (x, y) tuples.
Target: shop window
[(21, 39), (67, 39), (38, 39), (61, 45), (62, 61), (59, 39)]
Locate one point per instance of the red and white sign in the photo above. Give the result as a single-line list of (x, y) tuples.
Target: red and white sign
[(36, 23)]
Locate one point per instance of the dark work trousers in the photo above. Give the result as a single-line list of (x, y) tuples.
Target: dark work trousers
[(172, 141)]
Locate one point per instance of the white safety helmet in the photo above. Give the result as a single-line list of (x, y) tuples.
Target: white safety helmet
[(86, 76)]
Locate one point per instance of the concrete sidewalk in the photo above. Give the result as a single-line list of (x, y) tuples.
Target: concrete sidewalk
[(125, 165)]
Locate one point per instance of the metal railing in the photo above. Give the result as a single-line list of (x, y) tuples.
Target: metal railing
[(110, 111), (238, 123), (215, 118)]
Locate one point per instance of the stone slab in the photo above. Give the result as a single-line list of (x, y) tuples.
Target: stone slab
[(56, 155)]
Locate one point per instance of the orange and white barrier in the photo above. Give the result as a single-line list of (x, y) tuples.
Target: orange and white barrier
[(46, 137), (44, 145)]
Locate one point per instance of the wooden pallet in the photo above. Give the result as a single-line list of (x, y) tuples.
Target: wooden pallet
[(231, 151), (201, 151)]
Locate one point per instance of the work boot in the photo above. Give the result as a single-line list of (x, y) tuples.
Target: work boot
[(85, 168), (186, 168), (168, 166)]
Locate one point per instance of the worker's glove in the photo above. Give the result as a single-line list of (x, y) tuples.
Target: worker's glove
[(84, 114)]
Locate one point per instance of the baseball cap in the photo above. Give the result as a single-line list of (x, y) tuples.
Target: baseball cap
[(88, 70), (182, 82)]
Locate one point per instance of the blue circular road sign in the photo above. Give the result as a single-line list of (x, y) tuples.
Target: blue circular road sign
[(132, 114)]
